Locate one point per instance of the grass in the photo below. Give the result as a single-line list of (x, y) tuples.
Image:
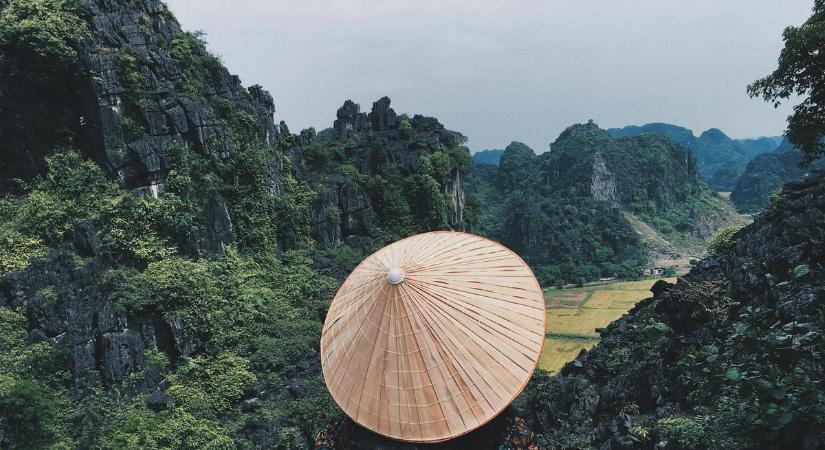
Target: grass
[(574, 314)]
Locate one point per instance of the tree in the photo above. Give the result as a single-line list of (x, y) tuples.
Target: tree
[(801, 71)]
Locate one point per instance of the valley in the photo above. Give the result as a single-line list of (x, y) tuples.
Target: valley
[(169, 250), (574, 314)]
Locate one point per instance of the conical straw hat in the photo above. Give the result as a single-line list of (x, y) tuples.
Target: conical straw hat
[(433, 336)]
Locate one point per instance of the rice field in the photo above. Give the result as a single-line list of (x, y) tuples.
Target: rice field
[(574, 314)]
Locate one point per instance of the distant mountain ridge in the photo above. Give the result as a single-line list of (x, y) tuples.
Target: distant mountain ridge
[(721, 159), (491, 157), (766, 174)]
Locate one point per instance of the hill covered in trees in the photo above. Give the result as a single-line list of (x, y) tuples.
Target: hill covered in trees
[(721, 159), (490, 157), (766, 174), (565, 210)]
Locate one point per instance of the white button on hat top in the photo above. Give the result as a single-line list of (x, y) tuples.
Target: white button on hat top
[(396, 275)]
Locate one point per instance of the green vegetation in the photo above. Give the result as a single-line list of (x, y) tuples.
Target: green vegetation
[(766, 174), (33, 394), (684, 432), (406, 192), (39, 76), (800, 62), (723, 241), (562, 211), (740, 378), (188, 50), (255, 315), (46, 31), (250, 313)]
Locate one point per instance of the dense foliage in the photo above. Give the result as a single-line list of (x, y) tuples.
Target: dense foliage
[(720, 159), (562, 210), (381, 184), (254, 310), (228, 324), (766, 174), (255, 316)]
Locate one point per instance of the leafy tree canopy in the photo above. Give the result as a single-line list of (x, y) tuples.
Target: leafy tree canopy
[(801, 71)]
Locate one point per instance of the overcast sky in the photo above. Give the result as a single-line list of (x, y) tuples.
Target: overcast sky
[(499, 71)]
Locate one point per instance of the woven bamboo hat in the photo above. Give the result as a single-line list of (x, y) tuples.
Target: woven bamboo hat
[(433, 336)]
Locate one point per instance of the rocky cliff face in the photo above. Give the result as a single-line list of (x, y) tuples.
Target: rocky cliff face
[(373, 148), (104, 346), (141, 85), (152, 84)]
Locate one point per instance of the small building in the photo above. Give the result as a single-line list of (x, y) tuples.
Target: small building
[(654, 271)]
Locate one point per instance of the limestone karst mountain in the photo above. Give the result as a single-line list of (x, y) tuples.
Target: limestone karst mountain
[(566, 211), (720, 159), (766, 174), (490, 157)]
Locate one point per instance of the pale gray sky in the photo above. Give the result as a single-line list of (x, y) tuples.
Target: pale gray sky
[(500, 71)]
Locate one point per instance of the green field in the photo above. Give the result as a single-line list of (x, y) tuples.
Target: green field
[(574, 314)]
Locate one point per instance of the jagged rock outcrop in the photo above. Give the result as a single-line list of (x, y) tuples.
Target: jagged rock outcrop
[(603, 185), (68, 305), (341, 210), (152, 84), (382, 116), (350, 120), (456, 198), (365, 143)]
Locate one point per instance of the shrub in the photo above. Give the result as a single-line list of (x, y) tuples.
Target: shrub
[(34, 415), (405, 128), (174, 429), (724, 240), (211, 385), (440, 166), (686, 432), (17, 250), (45, 31), (314, 410)]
